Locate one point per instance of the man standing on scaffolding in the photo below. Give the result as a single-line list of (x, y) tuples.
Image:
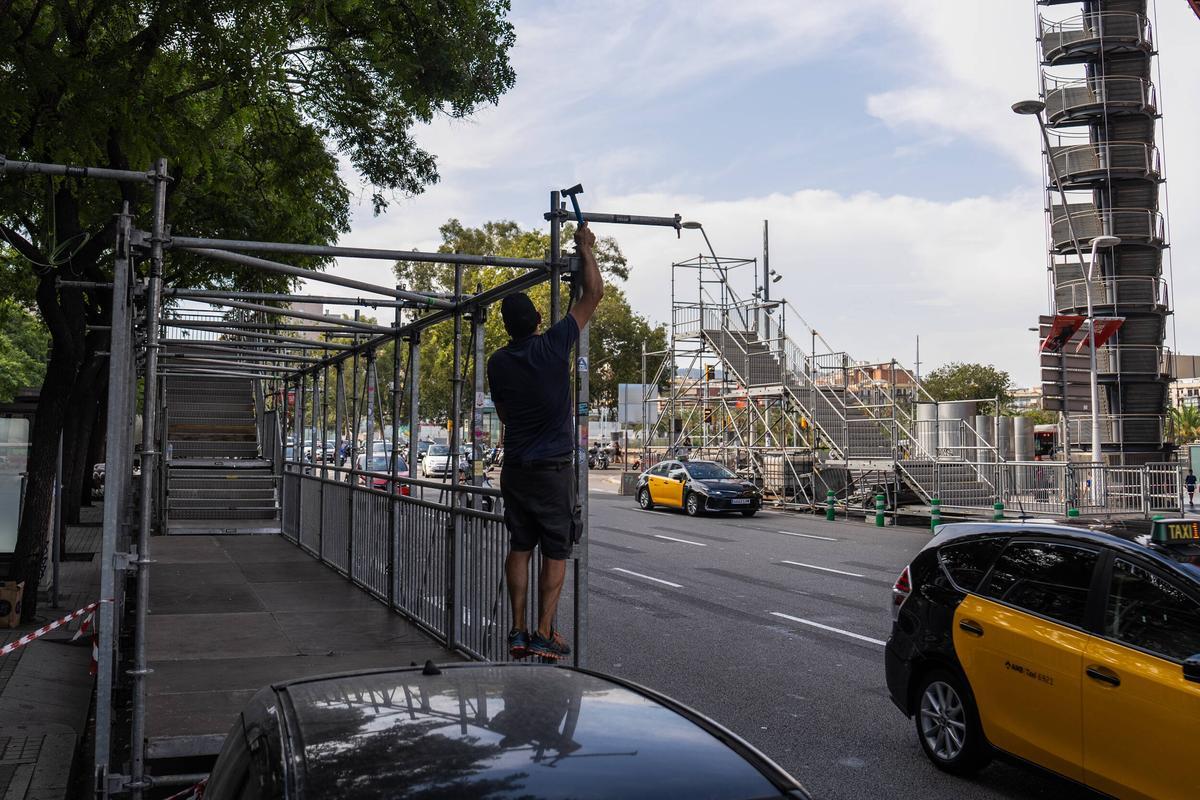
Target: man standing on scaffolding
[(530, 381)]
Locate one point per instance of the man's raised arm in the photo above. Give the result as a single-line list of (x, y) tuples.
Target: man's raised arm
[(592, 284)]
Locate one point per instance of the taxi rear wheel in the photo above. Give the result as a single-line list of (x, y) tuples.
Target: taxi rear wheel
[(644, 500), (948, 724)]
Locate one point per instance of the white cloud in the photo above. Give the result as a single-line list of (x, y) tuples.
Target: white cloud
[(870, 271)]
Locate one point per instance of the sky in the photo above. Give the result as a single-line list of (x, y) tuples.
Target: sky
[(876, 136)]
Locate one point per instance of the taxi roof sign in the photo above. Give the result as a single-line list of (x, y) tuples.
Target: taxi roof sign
[(1175, 531)]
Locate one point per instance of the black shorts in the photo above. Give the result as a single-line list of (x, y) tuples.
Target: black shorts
[(539, 507)]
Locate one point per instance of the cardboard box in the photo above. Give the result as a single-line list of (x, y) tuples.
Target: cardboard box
[(10, 603)]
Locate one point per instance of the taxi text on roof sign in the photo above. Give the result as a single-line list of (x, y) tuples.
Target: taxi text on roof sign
[(1175, 532)]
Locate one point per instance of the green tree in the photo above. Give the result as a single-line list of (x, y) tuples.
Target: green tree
[(1185, 424), (254, 104), (1040, 416), (617, 332), (958, 381), (23, 343)]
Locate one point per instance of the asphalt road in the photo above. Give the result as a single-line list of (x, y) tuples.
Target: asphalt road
[(774, 626)]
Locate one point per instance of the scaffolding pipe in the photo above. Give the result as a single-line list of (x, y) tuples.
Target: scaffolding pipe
[(185, 360), (332, 251), (216, 348), (294, 344), (281, 297), (323, 277), (68, 171), (250, 329), (116, 456), (287, 312), (150, 463)]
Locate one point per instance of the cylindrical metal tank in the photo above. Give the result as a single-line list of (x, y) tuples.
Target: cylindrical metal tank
[(926, 432), (1022, 439), (1005, 441), (985, 427), (952, 436)]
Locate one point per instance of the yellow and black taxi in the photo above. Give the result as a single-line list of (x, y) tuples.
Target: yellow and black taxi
[(1076, 648), (697, 487)]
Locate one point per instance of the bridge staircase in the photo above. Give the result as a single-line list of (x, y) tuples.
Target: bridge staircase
[(864, 426), (216, 478)]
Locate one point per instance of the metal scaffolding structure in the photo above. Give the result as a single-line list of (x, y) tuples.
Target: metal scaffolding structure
[(246, 390), (751, 384)]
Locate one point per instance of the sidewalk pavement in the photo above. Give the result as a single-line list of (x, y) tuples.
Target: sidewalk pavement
[(46, 686)]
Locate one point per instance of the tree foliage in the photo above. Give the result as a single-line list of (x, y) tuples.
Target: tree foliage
[(959, 381), (23, 343), (1185, 424), (617, 333), (256, 104)]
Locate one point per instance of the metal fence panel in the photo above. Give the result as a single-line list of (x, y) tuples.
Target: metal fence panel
[(335, 524), (310, 514), (289, 507)]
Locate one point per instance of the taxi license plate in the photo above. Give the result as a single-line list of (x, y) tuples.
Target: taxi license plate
[(742, 501)]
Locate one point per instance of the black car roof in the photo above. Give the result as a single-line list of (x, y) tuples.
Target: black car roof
[(513, 730), (1131, 536)]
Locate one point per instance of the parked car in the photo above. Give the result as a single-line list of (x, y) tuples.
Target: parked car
[(483, 730), (378, 469), (436, 462), (1074, 648), (697, 487)]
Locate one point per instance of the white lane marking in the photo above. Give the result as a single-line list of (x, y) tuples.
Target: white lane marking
[(829, 628), (681, 541), (649, 578), (808, 536), (824, 569)]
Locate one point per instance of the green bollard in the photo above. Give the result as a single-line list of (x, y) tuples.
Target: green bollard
[(830, 510), (935, 513), (998, 512), (1072, 512), (879, 511)]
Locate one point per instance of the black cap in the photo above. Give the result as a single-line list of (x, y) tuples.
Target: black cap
[(520, 316)]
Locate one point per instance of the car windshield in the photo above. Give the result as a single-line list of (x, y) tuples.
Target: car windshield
[(383, 463), (708, 470), (438, 450)]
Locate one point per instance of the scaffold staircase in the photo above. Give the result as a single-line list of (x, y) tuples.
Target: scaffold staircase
[(216, 481)]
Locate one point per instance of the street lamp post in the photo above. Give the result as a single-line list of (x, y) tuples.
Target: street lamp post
[(1097, 243), (1034, 108)]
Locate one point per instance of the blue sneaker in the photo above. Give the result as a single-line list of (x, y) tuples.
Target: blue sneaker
[(553, 647), (518, 643)]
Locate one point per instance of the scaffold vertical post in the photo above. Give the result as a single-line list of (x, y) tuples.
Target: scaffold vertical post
[(454, 587), (149, 465), (478, 317), (393, 467), (583, 410), (116, 455), (555, 254)]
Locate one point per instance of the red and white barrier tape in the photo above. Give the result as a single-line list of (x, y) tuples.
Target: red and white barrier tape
[(42, 631)]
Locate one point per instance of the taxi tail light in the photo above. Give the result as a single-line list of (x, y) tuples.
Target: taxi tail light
[(900, 591)]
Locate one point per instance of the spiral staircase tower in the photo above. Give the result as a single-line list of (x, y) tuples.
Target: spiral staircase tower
[(1102, 112)]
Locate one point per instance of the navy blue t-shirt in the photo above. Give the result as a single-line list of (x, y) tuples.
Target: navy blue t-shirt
[(530, 381)]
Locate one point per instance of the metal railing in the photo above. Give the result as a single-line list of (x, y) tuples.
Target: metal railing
[(433, 552), (1052, 488), (1133, 359), (1110, 28), (1133, 224), (1067, 97), (1116, 429), (1096, 160), (1139, 291)]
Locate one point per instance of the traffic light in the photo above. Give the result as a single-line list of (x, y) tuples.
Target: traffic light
[(708, 415), (710, 372)]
